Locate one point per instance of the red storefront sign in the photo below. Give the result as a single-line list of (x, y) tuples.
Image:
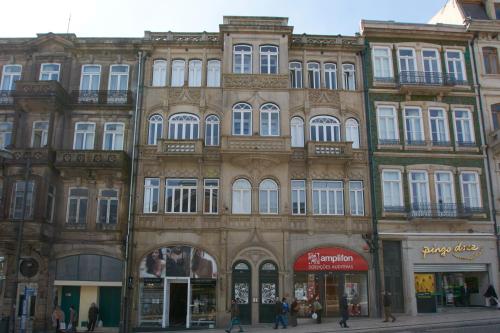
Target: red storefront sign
[(330, 259)]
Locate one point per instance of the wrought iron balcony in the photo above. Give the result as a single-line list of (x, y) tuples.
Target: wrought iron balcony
[(384, 80), (6, 97), (429, 79), (389, 142), (441, 210), (394, 209), (99, 97)]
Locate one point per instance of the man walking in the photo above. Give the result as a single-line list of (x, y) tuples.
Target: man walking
[(93, 313), (387, 307), (278, 314), (344, 311), (235, 317)]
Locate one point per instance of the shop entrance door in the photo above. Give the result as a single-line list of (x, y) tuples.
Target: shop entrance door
[(177, 301), (70, 296), (269, 290), (109, 306), (333, 289), (242, 291)]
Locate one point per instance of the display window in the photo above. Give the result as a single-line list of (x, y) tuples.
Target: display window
[(151, 310)]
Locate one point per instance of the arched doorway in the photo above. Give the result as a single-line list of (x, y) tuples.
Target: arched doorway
[(242, 290), (268, 290)]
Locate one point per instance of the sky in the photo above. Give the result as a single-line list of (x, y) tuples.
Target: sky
[(127, 18)]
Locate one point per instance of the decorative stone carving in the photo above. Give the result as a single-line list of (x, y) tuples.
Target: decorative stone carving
[(184, 95), (324, 97), (255, 81)]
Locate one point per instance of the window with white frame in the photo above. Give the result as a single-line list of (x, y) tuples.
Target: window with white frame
[(352, 132), (84, 136), (49, 72), (5, 134), (10, 74), (382, 64), (268, 197), (113, 136), (439, 127), (268, 59), (298, 197), (387, 125), (194, 73), (183, 126), (464, 131), (407, 65), (213, 73), (212, 130), (445, 193), (178, 73), (490, 58), (155, 129), (432, 68), (349, 74), (313, 75), (414, 129), (159, 73), (242, 197), (118, 77), (328, 197), (419, 190), (242, 119), (392, 188), (330, 76), (295, 69), (297, 132), (471, 195), (77, 205), (180, 196), (16, 208), (356, 198), (51, 200), (455, 66), (211, 196), (108, 206), (325, 128), (40, 134), (151, 195), (242, 59), (90, 78), (269, 120)]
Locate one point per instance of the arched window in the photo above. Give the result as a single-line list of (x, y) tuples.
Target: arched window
[(331, 76), (159, 73), (212, 130), (313, 75), (349, 76), (268, 59), (295, 75), (269, 120), (297, 132), (155, 129), (352, 132), (195, 73), (242, 59), (242, 119), (183, 126), (325, 128), (213, 73), (268, 197), (178, 73), (242, 197)]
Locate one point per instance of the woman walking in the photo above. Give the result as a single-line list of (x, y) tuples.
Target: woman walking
[(294, 310)]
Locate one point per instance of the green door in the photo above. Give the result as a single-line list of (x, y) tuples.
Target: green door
[(242, 291), (109, 306), (269, 290), (70, 296)]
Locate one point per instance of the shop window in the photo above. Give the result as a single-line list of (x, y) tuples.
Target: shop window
[(151, 302)]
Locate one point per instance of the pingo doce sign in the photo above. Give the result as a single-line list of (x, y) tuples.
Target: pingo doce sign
[(330, 259), (466, 251)]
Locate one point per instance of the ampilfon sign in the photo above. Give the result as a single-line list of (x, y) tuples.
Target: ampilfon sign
[(330, 259)]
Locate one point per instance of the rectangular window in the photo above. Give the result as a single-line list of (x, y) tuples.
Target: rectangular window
[(419, 190), (77, 205), (455, 66), (118, 84), (387, 125), (159, 73), (295, 75), (328, 197), (445, 194), (10, 74), (349, 74), (392, 188), (490, 57), (49, 72), (439, 127), (414, 129), (213, 73), (180, 196), (108, 206), (211, 189), (298, 197), (16, 209), (91, 77), (268, 59), (464, 130), (330, 76), (407, 66), (313, 75), (356, 198), (5, 134), (242, 59), (194, 73), (432, 69), (40, 134), (151, 195), (113, 136), (471, 195), (51, 199), (382, 64), (84, 136), (178, 73)]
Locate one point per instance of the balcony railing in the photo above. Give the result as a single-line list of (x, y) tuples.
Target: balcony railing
[(180, 147), (386, 80), (429, 79), (441, 210), (6, 97), (93, 97)]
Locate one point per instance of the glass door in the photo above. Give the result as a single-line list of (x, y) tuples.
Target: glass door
[(333, 289)]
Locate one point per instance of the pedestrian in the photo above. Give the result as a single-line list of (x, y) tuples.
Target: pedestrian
[(286, 310), (93, 313), (387, 307), (355, 311), (294, 311), (58, 321), (491, 296), (73, 319), (344, 311), (278, 314), (317, 309), (235, 317)]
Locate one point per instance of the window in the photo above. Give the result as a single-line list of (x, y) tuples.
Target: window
[(387, 125), (211, 189), (51, 200), (16, 209), (268, 197), (242, 59), (464, 132), (439, 127), (392, 188), (5, 134), (455, 65), (356, 198), (212, 130), (407, 66), (382, 63), (155, 129), (10, 74), (490, 57), (432, 69), (269, 120), (108, 206), (298, 197), (414, 131), (328, 197), (91, 77), (495, 114), (118, 78), (325, 128), (445, 194), (349, 74), (178, 73), (242, 119), (295, 75), (49, 72), (84, 136), (183, 126), (419, 190), (77, 205), (113, 136), (242, 197), (331, 76), (313, 75), (180, 196), (213, 73), (151, 195), (352, 132), (268, 59), (471, 197), (40, 134), (159, 73), (297, 132), (195, 73)]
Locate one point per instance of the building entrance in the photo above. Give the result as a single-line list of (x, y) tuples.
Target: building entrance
[(178, 300)]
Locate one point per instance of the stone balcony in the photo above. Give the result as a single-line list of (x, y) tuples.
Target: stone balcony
[(252, 145), (180, 148), (34, 155), (331, 152), (93, 159), (39, 95)]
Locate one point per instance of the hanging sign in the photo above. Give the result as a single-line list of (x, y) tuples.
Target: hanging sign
[(330, 259)]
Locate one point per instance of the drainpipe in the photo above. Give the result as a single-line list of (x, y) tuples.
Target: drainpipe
[(372, 242)]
